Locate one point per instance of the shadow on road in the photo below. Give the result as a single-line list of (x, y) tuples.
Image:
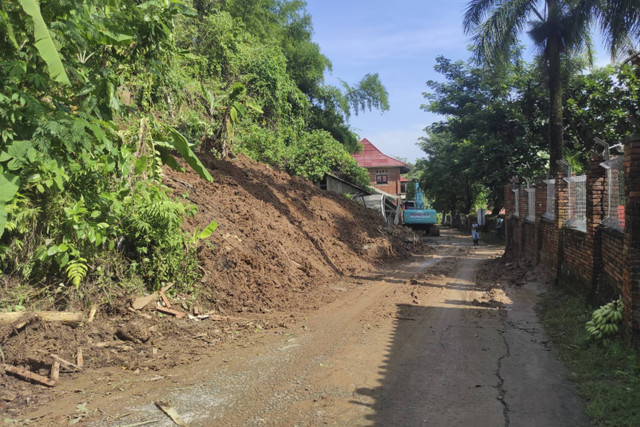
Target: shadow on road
[(442, 368)]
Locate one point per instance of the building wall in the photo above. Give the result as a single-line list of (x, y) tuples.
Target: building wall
[(393, 183)]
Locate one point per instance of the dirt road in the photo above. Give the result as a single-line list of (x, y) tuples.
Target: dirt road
[(419, 344)]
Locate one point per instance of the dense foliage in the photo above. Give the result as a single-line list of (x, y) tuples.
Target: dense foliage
[(96, 96), (495, 121), (560, 30)]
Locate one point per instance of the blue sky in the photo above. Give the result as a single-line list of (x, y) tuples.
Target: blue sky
[(400, 41)]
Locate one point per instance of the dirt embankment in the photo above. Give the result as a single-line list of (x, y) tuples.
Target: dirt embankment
[(279, 238), (280, 245)]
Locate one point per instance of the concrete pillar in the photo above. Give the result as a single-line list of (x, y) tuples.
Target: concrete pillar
[(541, 203), (561, 215)]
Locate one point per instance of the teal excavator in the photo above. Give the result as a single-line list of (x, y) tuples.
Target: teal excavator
[(418, 218)]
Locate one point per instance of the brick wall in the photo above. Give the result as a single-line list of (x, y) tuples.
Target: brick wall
[(631, 247), (575, 262), (603, 263), (596, 212), (509, 209), (549, 246), (529, 240), (610, 281)]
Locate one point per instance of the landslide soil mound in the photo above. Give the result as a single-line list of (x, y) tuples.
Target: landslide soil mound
[(279, 249), (280, 239)]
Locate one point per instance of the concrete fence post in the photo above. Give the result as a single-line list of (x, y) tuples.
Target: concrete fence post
[(560, 216), (541, 200)]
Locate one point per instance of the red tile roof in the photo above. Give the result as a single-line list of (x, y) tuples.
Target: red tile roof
[(403, 179), (371, 157)]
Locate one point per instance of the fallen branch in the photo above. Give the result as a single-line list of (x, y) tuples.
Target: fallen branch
[(45, 316), (28, 375), (176, 313), (6, 318), (60, 316)]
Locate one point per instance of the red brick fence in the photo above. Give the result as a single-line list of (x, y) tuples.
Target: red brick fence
[(583, 230)]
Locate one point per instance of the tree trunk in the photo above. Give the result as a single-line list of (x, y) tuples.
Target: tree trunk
[(556, 142)]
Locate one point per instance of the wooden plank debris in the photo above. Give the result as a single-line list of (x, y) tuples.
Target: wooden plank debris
[(171, 413), (176, 313), (142, 302), (63, 362), (92, 313), (166, 288), (55, 371), (166, 301), (221, 317), (28, 375), (80, 358)]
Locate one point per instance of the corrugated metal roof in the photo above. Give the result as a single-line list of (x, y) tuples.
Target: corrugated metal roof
[(371, 157)]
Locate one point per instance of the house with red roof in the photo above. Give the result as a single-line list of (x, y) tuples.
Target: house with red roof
[(385, 173)]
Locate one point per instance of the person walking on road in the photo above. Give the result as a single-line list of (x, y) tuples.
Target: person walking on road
[(474, 233)]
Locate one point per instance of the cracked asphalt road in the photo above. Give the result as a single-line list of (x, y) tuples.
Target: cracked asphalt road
[(419, 344)]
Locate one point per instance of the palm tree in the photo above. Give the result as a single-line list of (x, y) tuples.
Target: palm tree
[(558, 28)]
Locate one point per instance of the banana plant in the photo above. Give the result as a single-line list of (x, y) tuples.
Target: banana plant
[(44, 42), (232, 106)]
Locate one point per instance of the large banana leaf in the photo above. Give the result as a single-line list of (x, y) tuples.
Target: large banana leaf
[(181, 144), (44, 43)]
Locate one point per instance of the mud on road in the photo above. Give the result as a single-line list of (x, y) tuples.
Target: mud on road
[(441, 339)]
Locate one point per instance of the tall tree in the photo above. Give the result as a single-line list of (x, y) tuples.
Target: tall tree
[(492, 118), (558, 28)]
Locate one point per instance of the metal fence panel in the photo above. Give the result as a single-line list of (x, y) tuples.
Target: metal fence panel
[(550, 211), (577, 201)]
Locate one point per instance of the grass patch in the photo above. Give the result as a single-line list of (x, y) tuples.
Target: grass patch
[(607, 375)]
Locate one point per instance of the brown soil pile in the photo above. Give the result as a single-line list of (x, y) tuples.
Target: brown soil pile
[(280, 240), (280, 245)]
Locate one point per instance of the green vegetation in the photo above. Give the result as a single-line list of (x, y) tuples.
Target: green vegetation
[(96, 97), (560, 30), (504, 118), (495, 127), (606, 374)]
